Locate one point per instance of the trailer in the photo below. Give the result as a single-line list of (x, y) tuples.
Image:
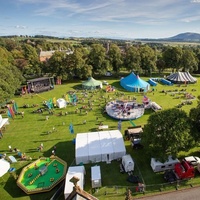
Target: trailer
[(158, 166), (128, 163)]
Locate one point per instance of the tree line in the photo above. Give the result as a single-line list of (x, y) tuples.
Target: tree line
[(89, 58)]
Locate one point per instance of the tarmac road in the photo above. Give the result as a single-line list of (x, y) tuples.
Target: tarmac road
[(186, 194)]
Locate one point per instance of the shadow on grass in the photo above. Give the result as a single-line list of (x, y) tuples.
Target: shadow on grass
[(12, 188)]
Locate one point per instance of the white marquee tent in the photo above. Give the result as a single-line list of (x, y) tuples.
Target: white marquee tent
[(99, 146), (82, 148), (94, 147), (118, 144), (107, 151)]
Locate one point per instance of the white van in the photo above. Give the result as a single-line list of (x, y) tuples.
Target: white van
[(158, 166)]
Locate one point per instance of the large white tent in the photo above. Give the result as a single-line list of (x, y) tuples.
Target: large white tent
[(94, 147), (118, 144), (82, 148), (99, 146), (107, 151)]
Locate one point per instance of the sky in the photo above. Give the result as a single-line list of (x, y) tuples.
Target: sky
[(132, 19)]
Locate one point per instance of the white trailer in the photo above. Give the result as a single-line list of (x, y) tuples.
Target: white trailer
[(158, 166), (127, 163)]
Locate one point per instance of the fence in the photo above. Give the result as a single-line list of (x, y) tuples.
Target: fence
[(120, 191)]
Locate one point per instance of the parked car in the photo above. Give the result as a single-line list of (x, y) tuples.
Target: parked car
[(108, 73), (193, 160)]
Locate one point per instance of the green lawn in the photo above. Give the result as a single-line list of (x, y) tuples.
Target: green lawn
[(29, 132)]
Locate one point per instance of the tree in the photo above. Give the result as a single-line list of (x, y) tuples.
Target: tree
[(56, 65), (189, 60), (132, 59), (96, 57), (172, 57), (11, 78), (33, 64), (115, 57), (166, 133), (194, 116), (148, 59)]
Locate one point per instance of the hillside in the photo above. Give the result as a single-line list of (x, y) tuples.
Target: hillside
[(185, 37)]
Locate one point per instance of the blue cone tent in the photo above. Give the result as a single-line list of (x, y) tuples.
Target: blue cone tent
[(134, 83)]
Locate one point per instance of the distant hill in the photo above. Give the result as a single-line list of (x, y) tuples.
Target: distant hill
[(193, 37), (182, 37)]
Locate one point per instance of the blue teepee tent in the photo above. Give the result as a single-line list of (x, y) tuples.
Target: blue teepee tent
[(134, 83)]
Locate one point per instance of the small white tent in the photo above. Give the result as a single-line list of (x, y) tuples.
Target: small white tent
[(3, 121), (79, 172), (61, 103), (96, 176), (127, 163), (4, 167)]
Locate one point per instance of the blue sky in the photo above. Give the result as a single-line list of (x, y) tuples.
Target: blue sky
[(100, 18)]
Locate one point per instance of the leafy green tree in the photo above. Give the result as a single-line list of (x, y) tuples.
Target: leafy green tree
[(56, 65), (84, 71), (115, 57), (166, 133), (32, 57), (132, 59), (11, 78), (194, 116), (172, 57), (148, 59), (189, 60), (96, 57)]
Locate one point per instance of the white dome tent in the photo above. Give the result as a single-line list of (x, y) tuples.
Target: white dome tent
[(61, 103)]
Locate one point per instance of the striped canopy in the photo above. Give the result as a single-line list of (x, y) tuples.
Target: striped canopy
[(181, 77)]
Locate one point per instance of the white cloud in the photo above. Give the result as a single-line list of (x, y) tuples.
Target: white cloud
[(20, 27)]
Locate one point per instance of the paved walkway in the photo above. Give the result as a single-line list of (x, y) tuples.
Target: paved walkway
[(187, 194)]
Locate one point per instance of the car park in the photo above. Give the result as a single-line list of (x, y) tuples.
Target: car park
[(193, 160)]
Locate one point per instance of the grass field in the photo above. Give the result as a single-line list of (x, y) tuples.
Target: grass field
[(29, 132)]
